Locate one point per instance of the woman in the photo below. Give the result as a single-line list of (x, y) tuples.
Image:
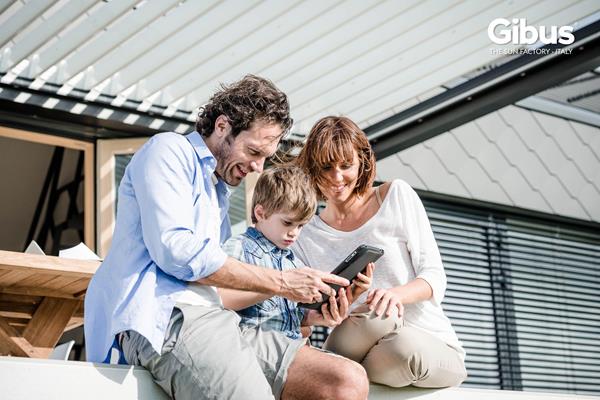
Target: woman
[(398, 330)]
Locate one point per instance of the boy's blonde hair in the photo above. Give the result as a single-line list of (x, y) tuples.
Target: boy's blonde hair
[(285, 189)]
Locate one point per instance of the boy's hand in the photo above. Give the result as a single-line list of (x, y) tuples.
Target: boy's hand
[(331, 314), (362, 282)]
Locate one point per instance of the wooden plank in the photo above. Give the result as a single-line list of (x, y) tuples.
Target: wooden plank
[(18, 323), (51, 140), (16, 344), (76, 287), (18, 298), (89, 182), (47, 264), (42, 292), (59, 282), (15, 276), (49, 321), (38, 280), (17, 310)]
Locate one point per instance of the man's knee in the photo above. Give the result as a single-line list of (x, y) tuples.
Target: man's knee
[(350, 381)]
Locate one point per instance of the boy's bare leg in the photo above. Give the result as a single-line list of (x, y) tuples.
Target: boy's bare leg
[(318, 375)]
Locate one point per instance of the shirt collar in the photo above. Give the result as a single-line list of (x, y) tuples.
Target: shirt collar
[(260, 244)]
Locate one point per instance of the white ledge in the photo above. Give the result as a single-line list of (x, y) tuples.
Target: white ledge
[(23, 378)]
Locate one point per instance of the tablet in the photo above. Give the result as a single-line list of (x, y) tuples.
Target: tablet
[(353, 264)]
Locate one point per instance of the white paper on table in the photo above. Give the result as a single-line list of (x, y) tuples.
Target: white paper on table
[(79, 252), (34, 248)]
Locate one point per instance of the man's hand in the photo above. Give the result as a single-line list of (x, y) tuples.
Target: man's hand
[(305, 285), (331, 314), (385, 301)]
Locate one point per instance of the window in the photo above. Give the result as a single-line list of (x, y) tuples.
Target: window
[(524, 297)]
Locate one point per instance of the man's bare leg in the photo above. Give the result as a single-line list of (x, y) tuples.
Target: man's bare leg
[(317, 375)]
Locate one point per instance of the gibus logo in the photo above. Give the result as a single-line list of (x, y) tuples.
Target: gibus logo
[(501, 32)]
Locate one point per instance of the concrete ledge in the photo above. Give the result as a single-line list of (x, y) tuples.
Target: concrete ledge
[(24, 378)]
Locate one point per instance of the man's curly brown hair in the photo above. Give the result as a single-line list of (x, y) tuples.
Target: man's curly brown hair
[(243, 102)]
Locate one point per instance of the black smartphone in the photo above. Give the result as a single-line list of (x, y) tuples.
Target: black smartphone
[(354, 263)]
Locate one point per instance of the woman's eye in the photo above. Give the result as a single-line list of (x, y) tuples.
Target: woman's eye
[(326, 167), (287, 223)]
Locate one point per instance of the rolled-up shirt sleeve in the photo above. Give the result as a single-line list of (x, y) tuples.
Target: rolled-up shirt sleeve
[(424, 252), (162, 179)]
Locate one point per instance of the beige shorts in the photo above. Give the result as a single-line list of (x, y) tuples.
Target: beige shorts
[(206, 355)]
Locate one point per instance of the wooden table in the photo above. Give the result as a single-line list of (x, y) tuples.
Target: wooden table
[(40, 298)]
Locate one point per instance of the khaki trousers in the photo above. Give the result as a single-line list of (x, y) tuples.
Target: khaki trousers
[(395, 355)]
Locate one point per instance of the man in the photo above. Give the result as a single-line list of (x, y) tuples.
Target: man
[(151, 297)]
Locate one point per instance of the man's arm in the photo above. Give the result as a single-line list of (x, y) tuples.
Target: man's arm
[(301, 285), (234, 299)]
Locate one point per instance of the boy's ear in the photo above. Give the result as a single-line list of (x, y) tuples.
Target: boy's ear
[(259, 212)]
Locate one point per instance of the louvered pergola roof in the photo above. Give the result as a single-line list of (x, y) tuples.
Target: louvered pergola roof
[(365, 59)]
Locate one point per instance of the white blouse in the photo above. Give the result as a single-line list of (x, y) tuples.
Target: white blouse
[(401, 228)]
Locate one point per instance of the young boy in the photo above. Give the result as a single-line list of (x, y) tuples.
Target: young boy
[(284, 200)]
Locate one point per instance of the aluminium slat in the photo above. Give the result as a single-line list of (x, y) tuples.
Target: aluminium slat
[(553, 292), (4, 5), (272, 40), (564, 346), (457, 219), (469, 238), (152, 35), (91, 25), (21, 18), (574, 330), (197, 43), (573, 335), (522, 313), (569, 266), (117, 33), (540, 366), (552, 243), (522, 226), (458, 253), (318, 39), (293, 42), (558, 382), (538, 251), (58, 21), (420, 31)]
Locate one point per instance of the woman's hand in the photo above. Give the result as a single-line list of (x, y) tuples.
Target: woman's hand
[(331, 313), (385, 301), (362, 282)]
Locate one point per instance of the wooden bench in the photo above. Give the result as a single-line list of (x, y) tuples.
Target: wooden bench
[(40, 298)]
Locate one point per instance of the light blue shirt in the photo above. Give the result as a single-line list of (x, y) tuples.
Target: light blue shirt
[(161, 241)]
